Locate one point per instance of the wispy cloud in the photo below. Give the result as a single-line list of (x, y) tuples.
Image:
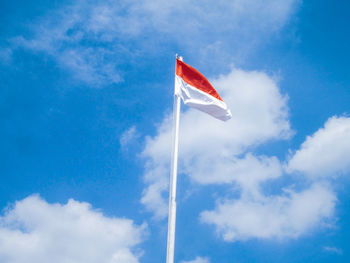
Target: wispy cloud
[(128, 137), (65, 35), (334, 250), (93, 39), (197, 260), (5, 55), (73, 232)]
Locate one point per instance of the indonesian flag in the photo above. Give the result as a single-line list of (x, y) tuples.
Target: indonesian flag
[(196, 92)]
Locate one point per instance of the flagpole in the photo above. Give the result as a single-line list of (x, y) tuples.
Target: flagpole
[(173, 178)]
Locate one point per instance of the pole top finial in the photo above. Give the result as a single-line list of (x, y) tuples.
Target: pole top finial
[(179, 57)]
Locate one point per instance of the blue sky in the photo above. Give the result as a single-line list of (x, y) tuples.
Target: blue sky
[(85, 104)]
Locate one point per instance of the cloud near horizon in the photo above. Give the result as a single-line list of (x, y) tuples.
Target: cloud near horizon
[(282, 216), (73, 232)]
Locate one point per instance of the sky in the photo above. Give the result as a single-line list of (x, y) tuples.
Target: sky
[(86, 99)]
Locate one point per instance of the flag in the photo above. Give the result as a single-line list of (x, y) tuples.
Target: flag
[(196, 92)]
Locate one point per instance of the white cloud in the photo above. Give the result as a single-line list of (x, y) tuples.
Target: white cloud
[(197, 260), (156, 178), (326, 153), (128, 137), (36, 231), (92, 39), (248, 171), (214, 152), (322, 156), (210, 150), (289, 215), (166, 16)]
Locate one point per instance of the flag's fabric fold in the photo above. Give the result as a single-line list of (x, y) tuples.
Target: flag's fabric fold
[(196, 92)]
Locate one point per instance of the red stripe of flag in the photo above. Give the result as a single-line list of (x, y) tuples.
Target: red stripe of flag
[(194, 78)]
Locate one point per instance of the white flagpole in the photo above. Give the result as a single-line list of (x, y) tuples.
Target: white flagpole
[(173, 179)]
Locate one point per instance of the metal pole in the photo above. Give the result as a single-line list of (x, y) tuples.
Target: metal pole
[(173, 180)]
